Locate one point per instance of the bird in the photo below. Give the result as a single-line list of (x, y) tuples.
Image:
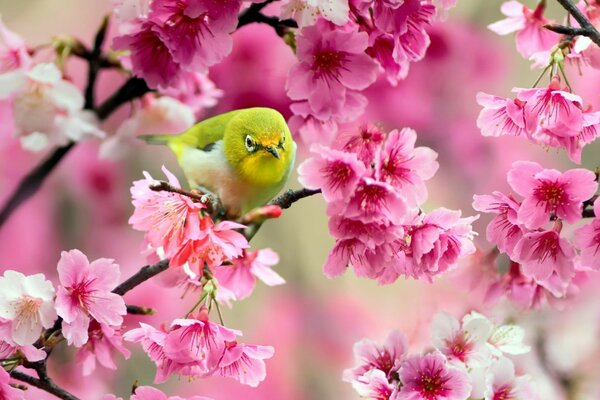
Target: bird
[(244, 157)]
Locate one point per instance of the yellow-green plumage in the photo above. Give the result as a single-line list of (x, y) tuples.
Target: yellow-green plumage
[(244, 156)]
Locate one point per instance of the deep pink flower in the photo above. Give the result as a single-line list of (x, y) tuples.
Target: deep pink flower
[(28, 303), (549, 192), (214, 245), (430, 377), (543, 253), (504, 230), (373, 201), (531, 37), (244, 362), (103, 340), (150, 393), (375, 385), (198, 341), (574, 144), (405, 167), (331, 64), (369, 356), (587, 239), (150, 57), (311, 130), (335, 172), (196, 32), (366, 143), (169, 219), (7, 392), (86, 292), (501, 116), (240, 277)]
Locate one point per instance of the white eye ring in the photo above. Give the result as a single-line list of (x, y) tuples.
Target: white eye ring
[(250, 145)]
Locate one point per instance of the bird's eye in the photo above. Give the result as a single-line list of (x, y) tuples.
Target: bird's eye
[(250, 145)]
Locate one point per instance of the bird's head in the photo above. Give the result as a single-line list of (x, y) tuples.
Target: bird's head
[(259, 146)]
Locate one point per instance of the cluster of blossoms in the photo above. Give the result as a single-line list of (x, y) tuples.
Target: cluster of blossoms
[(470, 361), (91, 316), (178, 228), (552, 116), (150, 393), (197, 347), (374, 184), (529, 231), (38, 104)]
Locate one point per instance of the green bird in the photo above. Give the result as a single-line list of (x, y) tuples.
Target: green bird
[(244, 157)]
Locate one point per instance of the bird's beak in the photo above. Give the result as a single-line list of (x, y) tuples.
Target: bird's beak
[(273, 151)]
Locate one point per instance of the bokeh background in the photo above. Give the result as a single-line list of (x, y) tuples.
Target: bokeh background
[(312, 321)]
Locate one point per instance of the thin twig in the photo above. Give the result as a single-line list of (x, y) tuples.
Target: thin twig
[(566, 30), (291, 196), (139, 310), (94, 65), (211, 202), (141, 276), (587, 29), (45, 384)]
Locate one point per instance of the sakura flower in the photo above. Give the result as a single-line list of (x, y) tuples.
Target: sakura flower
[(375, 385), (548, 192), (311, 130), (196, 33), (199, 341), (369, 356), (196, 91), (8, 347), (587, 239), (543, 253), (502, 383), (306, 12), (374, 201), (335, 172), (163, 114), (466, 343), (103, 340), (405, 167), (331, 65), (7, 392), (85, 292), (431, 377), (28, 303), (240, 277), (169, 219), (531, 36), (500, 116), (13, 51), (508, 339), (366, 262), (47, 109), (150, 393), (365, 143), (504, 230), (244, 363)]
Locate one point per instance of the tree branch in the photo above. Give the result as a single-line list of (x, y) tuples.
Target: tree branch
[(142, 275), (254, 14), (291, 196), (587, 29), (43, 383)]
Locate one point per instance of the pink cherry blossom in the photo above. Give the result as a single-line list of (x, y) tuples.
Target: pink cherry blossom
[(103, 341), (374, 201), (365, 143), (331, 65), (28, 303), (336, 173), (85, 293), (503, 384), (466, 342), (244, 363), (169, 219), (501, 116), (375, 385), (504, 230), (13, 51), (430, 377), (198, 341), (150, 393), (508, 339), (310, 130), (7, 392), (531, 37), (549, 192), (405, 167), (543, 253), (196, 33), (8, 347), (196, 91), (240, 277), (587, 239), (370, 356)]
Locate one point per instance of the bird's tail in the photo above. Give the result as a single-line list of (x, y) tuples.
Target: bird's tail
[(157, 139)]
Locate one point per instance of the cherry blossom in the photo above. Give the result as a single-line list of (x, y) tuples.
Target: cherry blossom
[(28, 303), (375, 385), (587, 239), (502, 383), (7, 392), (306, 12), (103, 341), (13, 51), (244, 363)]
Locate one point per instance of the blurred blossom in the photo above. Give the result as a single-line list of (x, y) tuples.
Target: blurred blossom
[(103, 341)]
